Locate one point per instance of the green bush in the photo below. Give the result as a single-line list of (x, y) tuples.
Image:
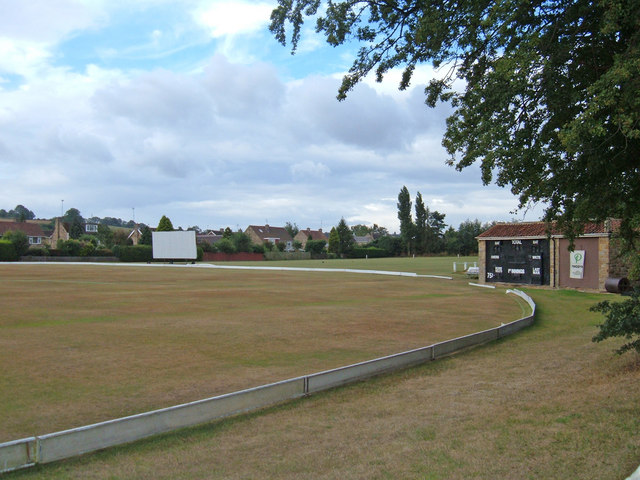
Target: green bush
[(315, 247), (368, 252), (226, 246), (199, 253), (7, 251), (19, 240), (135, 253), (70, 248)]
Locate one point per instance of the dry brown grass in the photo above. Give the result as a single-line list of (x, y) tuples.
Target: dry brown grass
[(83, 344), (544, 404)]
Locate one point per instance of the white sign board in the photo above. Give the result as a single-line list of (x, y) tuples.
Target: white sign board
[(174, 245), (576, 267)]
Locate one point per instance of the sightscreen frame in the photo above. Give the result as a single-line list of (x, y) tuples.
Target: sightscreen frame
[(180, 245)]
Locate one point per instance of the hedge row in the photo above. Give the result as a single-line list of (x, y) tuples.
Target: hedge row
[(368, 252)]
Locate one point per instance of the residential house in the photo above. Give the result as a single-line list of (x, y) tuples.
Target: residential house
[(211, 237), (135, 235), (32, 230), (305, 235), (260, 234), (534, 253)]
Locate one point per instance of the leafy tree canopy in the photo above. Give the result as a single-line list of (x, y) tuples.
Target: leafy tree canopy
[(551, 99)]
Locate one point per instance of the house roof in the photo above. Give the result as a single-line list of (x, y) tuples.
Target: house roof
[(543, 229), (314, 234), (266, 232), (29, 229)]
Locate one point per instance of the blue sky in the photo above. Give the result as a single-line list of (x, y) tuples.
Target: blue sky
[(191, 109)]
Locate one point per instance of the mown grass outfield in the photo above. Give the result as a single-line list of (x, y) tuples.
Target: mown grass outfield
[(84, 344), (545, 403)]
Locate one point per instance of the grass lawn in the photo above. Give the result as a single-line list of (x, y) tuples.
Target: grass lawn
[(546, 403), (90, 343)]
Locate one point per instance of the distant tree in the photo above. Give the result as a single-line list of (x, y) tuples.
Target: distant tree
[(377, 231), (114, 222), (280, 246), (76, 222), (435, 243), (241, 241), (226, 245), (164, 225), (292, 229), (105, 235), (467, 234), (334, 241), (121, 237), (345, 237), (360, 230), (4, 213), (406, 222), (421, 225), (315, 247), (22, 213), (19, 241), (195, 228), (145, 236), (297, 244), (227, 233), (452, 241), (390, 244)]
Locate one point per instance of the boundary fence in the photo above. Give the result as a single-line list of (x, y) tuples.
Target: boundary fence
[(30, 451)]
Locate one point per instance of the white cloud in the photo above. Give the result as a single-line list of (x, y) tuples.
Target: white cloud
[(228, 17)]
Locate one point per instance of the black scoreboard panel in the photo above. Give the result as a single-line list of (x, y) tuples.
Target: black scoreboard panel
[(518, 261)]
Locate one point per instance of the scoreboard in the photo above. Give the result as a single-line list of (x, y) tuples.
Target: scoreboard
[(523, 261)]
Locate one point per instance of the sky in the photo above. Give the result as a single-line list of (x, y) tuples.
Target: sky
[(191, 109)]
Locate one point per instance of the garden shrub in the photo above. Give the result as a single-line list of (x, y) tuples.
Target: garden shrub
[(7, 251), (134, 253)]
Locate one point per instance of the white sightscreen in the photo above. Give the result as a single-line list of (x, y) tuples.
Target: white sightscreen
[(174, 245)]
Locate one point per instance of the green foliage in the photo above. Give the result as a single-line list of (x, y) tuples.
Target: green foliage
[(315, 247), (622, 320), (257, 248), (228, 233), (281, 246), (421, 225), (368, 252), (164, 225), (345, 238), (134, 253), (70, 247), (37, 252), (105, 235), (199, 254), (226, 245), (241, 241), (406, 222), (334, 241), (391, 245), (19, 240), (7, 251), (291, 228), (146, 238), (20, 213), (550, 103)]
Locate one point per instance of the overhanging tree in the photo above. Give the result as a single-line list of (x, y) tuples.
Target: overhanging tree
[(551, 99)]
